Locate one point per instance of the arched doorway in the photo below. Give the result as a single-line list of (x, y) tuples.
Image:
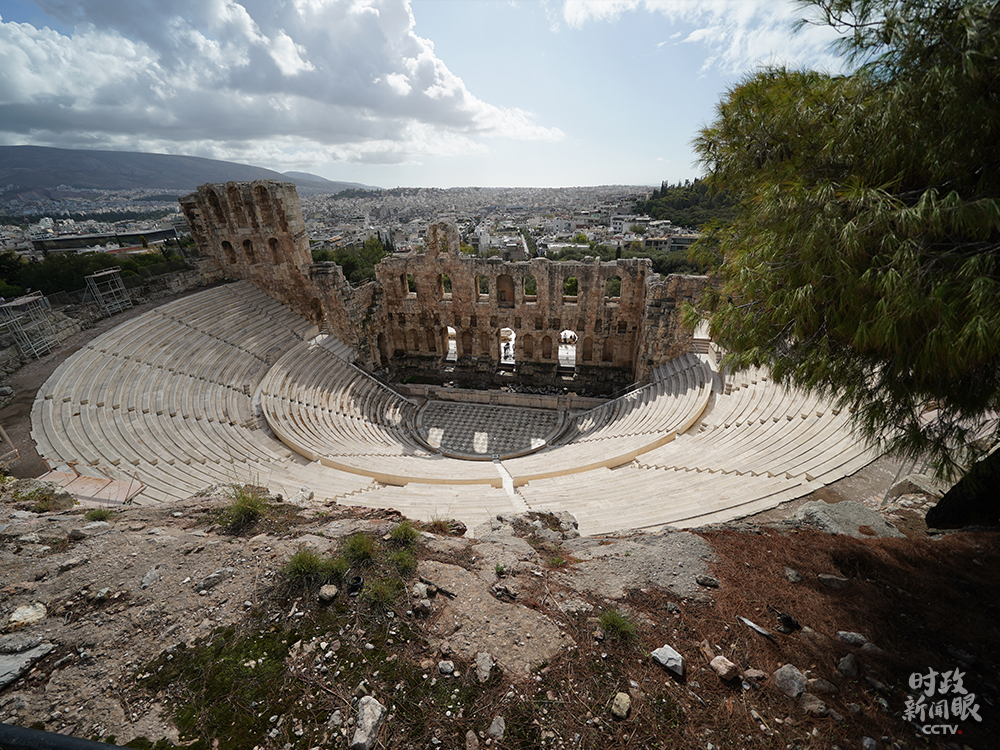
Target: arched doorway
[(507, 351), (452, 348), (567, 349), (505, 291)]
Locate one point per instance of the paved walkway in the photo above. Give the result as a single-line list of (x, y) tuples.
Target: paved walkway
[(483, 430)]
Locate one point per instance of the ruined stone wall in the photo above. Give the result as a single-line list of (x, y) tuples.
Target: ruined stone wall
[(662, 335), (255, 231)]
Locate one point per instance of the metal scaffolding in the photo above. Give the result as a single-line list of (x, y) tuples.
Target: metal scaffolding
[(108, 289), (29, 320)]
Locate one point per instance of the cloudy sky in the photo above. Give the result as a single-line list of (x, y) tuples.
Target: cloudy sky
[(393, 92)]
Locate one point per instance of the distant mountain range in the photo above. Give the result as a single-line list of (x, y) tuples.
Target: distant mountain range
[(32, 167)]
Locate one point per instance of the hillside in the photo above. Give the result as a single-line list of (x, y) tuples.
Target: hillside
[(41, 167)]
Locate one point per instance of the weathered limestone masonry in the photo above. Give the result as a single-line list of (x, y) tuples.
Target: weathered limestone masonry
[(255, 231)]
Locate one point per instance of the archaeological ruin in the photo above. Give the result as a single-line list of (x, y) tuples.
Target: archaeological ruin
[(410, 391)]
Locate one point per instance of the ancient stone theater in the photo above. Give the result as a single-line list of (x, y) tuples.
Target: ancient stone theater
[(449, 387)]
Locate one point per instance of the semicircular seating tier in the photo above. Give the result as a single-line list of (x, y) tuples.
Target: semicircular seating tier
[(227, 385)]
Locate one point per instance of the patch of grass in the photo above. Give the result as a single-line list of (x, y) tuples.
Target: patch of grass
[(404, 534), (404, 562), (617, 626), (557, 561), (438, 526), (248, 504), (359, 549), (99, 514), (307, 568), (382, 593)]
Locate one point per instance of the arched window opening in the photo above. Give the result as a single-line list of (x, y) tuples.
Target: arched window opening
[(236, 206), (613, 288), (216, 204), (444, 286), (466, 343), (569, 290), (263, 201), (609, 349), (431, 341), (316, 312), (505, 291), (228, 251), (248, 251), (451, 336), (484, 288), (528, 346), (588, 349), (484, 343), (567, 349), (383, 350), (275, 252), (530, 290), (507, 352), (411, 285)]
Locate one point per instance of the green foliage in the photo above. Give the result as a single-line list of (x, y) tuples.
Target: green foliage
[(404, 534), (580, 239), (67, 272), (98, 514), (307, 568), (617, 626), (570, 286), (691, 204), (358, 263), (862, 259), (247, 504), (500, 570), (382, 593), (359, 549), (404, 562)]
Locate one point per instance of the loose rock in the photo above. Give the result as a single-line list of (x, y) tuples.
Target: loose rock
[(670, 659), (484, 665), (849, 666), (790, 681), (707, 581), (725, 668), (793, 575), (813, 705), (328, 593), (850, 638), (371, 714), (621, 705), (471, 741), (497, 728), (446, 667)]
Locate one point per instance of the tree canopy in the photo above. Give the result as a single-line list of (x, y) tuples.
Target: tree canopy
[(862, 258), (691, 204)]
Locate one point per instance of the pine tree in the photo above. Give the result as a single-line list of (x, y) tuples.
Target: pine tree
[(864, 256)]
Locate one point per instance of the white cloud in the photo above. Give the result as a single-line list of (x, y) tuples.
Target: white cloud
[(739, 34), (334, 79)]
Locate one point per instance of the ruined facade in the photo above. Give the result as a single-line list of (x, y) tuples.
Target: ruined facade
[(621, 322)]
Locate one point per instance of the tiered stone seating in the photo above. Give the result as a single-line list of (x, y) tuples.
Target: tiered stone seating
[(633, 497), (227, 385), (616, 432), (167, 396), (763, 429), (329, 411)]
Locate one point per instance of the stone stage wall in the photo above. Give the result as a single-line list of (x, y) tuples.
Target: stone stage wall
[(255, 231)]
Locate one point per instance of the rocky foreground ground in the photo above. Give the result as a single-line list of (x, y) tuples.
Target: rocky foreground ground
[(173, 627)]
